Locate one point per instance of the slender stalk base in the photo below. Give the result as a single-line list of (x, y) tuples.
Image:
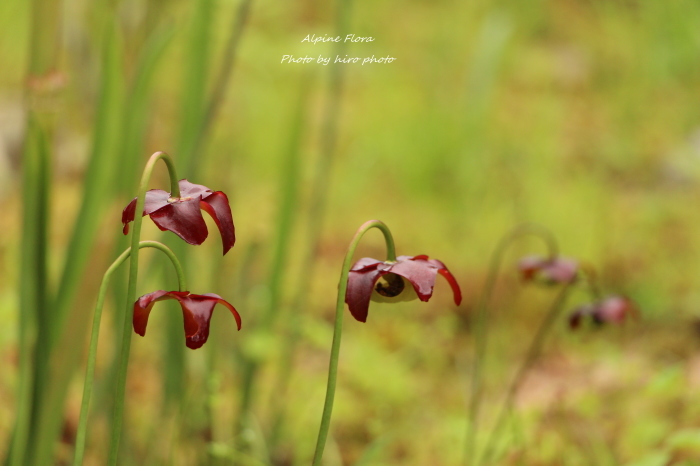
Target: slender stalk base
[(131, 294), (338, 328), (92, 354), (482, 323), (533, 353)]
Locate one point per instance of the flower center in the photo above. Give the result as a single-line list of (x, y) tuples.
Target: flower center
[(389, 285), (172, 200)]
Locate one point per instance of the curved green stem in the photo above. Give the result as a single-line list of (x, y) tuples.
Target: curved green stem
[(92, 354), (174, 182), (482, 320), (533, 353), (131, 294), (338, 329)]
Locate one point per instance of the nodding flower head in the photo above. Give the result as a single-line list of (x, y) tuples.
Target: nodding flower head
[(407, 278), (182, 215), (197, 310), (549, 271), (613, 309)]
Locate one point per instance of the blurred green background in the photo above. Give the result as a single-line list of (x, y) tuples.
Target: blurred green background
[(580, 115)]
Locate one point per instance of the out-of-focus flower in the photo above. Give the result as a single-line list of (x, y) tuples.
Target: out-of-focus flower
[(182, 215), (613, 309), (388, 282), (551, 271), (197, 310)]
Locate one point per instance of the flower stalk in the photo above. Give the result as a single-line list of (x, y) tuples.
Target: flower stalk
[(533, 353), (92, 354), (131, 294), (482, 321), (338, 327)]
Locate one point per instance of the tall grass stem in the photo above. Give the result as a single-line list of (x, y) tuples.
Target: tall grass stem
[(35, 315)]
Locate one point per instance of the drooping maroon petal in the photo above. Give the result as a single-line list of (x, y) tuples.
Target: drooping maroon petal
[(188, 189), (155, 199), (360, 286), (128, 215), (456, 291), (230, 307), (529, 266), (365, 263), (555, 270), (183, 218), (576, 317), (419, 272), (200, 309), (585, 311), (560, 270), (613, 309), (143, 306), (216, 204)]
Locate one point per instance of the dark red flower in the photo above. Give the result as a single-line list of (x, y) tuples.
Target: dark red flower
[(613, 309), (364, 282), (196, 310), (548, 270), (182, 215)]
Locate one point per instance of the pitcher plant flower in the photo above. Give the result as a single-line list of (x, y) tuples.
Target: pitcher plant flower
[(197, 310), (395, 279), (406, 278), (548, 270), (182, 215), (177, 211), (613, 309)]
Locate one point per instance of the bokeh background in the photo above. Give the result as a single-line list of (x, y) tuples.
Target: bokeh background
[(582, 116)]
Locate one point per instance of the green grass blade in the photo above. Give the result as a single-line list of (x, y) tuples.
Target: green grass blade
[(105, 153), (194, 89), (138, 108), (64, 352), (33, 284)]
